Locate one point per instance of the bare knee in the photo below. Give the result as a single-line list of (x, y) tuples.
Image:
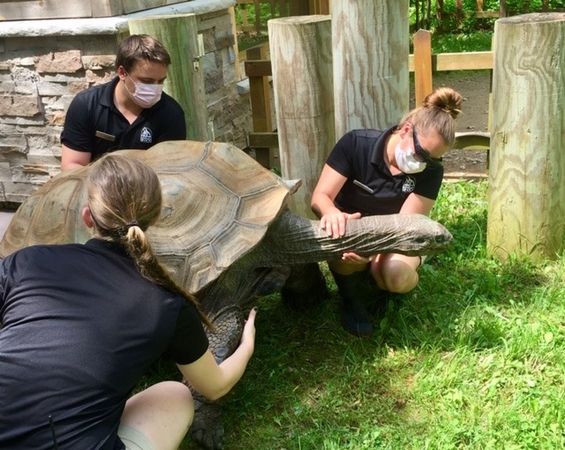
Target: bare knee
[(398, 277), (163, 412)]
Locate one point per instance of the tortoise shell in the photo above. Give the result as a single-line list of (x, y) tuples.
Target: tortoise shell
[(217, 205)]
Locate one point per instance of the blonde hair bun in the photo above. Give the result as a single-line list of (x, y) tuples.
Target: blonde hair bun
[(446, 99)]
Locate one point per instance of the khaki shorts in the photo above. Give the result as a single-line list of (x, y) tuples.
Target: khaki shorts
[(134, 439)]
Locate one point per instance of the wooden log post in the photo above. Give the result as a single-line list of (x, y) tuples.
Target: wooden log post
[(185, 79), (301, 59), (527, 159), (370, 54)]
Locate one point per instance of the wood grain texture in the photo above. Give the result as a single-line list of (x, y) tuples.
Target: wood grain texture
[(301, 58), (370, 53), (527, 158), (44, 9), (185, 79)]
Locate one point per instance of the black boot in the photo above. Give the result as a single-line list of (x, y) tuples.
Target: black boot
[(305, 287), (353, 292)]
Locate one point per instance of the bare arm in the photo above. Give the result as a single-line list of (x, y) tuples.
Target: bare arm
[(331, 218), (213, 380), (72, 159), (417, 204)]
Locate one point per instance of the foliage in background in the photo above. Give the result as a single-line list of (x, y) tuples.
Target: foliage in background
[(454, 23), (459, 16)]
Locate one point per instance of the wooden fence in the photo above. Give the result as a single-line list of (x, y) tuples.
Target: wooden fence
[(423, 63)]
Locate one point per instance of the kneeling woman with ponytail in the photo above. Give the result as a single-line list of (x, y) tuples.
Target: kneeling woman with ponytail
[(375, 172), (82, 323)]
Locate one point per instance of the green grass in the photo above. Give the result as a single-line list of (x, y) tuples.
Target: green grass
[(474, 358)]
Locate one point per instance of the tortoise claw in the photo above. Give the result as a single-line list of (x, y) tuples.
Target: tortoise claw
[(207, 429)]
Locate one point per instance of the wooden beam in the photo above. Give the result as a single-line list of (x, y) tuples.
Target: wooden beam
[(487, 14), (463, 61), (258, 68), (257, 139), (440, 62), (260, 95)]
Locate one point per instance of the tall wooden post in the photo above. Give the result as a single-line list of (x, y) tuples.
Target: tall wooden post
[(301, 59), (185, 80), (527, 157), (370, 54), (422, 65)]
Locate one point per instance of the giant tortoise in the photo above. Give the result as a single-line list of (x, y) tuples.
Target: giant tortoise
[(223, 227)]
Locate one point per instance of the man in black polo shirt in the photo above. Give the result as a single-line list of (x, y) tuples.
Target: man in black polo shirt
[(131, 111)]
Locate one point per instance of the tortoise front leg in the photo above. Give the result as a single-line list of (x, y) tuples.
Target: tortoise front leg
[(207, 427)]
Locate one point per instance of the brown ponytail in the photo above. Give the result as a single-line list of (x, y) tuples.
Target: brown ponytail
[(438, 112), (124, 197)]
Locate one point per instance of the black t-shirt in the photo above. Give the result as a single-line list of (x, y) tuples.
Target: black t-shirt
[(81, 326), (370, 188), (94, 124)]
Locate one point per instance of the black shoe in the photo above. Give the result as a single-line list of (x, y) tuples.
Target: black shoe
[(355, 318)]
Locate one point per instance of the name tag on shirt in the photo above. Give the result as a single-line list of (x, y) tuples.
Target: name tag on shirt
[(105, 136)]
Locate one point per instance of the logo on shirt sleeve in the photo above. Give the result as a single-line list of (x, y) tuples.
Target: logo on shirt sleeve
[(146, 136), (409, 185)]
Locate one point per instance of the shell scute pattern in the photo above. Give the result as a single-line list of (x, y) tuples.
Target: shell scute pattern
[(217, 205)]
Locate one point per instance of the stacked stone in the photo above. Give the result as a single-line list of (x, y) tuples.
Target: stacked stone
[(42, 69), (38, 79)]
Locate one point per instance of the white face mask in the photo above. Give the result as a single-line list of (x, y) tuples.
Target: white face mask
[(406, 161), (145, 95)]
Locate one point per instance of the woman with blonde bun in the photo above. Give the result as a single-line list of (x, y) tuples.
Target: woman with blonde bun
[(373, 172), (83, 322)]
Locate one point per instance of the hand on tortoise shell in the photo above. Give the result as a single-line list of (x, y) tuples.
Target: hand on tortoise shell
[(248, 335), (334, 222)]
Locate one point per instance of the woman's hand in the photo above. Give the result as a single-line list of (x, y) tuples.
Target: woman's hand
[(213, 380), (354, 258), (334, 222), (248, 335)]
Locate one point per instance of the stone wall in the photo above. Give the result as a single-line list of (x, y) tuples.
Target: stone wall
[(40, 75)]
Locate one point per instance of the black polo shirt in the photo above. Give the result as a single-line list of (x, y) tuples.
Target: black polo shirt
[(370, 188), (81, 326), (94, 124)]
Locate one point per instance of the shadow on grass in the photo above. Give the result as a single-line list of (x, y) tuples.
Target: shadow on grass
[(309, 379)]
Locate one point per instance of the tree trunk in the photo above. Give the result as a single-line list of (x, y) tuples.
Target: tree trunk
[(370, 52), (527, 161), (302, 83), (502, 8), (440, 13), (185, 80), (459, 12)]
